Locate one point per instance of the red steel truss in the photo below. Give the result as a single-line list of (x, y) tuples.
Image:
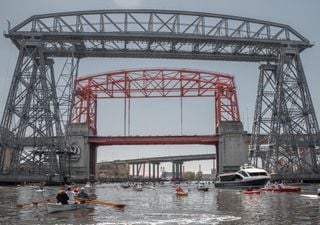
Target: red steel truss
[(154, 83)]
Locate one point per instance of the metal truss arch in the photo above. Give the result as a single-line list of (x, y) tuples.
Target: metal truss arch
[(154, 83)]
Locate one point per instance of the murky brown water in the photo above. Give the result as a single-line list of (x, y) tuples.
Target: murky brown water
[(161, 206)]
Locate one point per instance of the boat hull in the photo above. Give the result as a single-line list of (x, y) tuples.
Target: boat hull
[(181, 193), (283, 189), (56, 207), (252, 192), (203, 189), (243, 183)]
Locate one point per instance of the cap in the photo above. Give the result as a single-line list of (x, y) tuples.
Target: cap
[(82, 188)]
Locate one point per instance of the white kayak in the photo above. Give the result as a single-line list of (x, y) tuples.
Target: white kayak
[(57, 207), (311, 196)]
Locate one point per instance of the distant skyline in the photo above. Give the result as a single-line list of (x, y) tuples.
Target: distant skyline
[(162, 116)]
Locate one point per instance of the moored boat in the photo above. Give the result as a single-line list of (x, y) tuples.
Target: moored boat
[(137, 187), (282, 189), (125, 185), (202, 187), (57, 207), (247, 176)]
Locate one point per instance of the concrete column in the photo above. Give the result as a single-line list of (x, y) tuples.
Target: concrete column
[(173, 171), (158, 171), (132, 169), (232, 150), (154, 171), (149, 171), (180, 175), (138, 169), (177, 171), (83, 161), (144, 169)]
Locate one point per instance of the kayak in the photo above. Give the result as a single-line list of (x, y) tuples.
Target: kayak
[(282, 189), (181, 193), (252, 192), (203, 188), (57, 207), (311, 196)]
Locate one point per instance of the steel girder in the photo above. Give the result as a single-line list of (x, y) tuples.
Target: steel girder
[(285, 115), (154, 83), (157, 34)]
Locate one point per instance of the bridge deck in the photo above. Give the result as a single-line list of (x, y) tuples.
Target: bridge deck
[(154, 140), (183, 158)]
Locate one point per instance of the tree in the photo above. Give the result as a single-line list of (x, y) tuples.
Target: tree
[(199, 175), (189, 175)]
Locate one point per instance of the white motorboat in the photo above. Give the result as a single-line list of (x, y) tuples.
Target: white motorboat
[(57, 207), (137, 187), (247, 176), (202, 187)]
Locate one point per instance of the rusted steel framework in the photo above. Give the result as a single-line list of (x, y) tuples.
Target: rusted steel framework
[(38, 103), (154, 83)]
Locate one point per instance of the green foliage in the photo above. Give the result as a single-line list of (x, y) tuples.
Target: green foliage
[(199, 175), (189, 175)]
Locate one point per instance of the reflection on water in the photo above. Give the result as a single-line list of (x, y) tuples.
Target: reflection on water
[(161, 206)]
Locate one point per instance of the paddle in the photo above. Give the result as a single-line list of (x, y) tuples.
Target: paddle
[(91, 201), (35, 202)]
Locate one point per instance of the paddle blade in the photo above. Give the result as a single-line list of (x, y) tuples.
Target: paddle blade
[(116, 205)]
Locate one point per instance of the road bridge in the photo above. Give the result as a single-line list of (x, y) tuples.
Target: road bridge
[(138, 166)]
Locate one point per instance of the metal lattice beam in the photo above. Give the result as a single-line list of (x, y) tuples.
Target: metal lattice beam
[(154, 83), (158, 34)]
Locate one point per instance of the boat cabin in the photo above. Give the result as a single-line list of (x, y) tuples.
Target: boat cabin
[(243, 173), (230, 177)]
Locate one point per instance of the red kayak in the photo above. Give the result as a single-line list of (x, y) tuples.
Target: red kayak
[(252, 192), (181, 193), (282, 189)]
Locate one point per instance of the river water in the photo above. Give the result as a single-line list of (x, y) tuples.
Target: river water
[(160, 205)]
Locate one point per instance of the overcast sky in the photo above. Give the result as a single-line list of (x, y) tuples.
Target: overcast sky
[(162, 117)]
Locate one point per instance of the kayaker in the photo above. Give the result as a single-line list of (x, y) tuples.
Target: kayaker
[(249, 189), (71, 195), (75, 190), (82, 193), (179, 189), (62, 197)]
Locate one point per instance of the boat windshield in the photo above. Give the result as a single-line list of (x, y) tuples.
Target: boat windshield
[(243, 173), (231, 177), (254, 174)]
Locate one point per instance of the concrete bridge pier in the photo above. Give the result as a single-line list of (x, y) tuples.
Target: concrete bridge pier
[(232, 151), (84, 156), (177, 170), (155, 171)]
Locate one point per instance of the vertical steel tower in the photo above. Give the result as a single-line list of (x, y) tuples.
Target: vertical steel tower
[(285, 135)]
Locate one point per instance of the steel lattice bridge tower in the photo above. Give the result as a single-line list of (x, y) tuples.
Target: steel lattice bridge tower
[(285, 135)]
